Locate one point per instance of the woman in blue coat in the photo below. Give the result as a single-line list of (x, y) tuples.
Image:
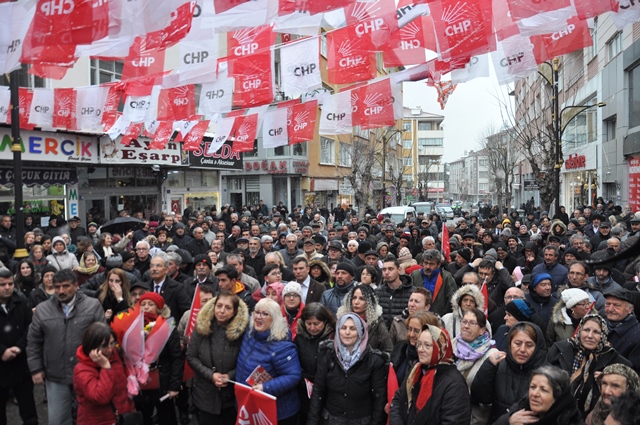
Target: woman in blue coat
[(267, 343)]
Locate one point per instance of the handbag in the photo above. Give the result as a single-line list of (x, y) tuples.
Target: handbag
[(153, 381), (131, 418)]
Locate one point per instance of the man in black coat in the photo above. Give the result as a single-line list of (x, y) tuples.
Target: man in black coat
[(174, 294), (624, 329), (199, 244), (15, 318)]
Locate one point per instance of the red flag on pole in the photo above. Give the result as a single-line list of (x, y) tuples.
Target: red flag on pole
[(255, 407), (392, 385), (446, 247), (191, 324), (485, 294)]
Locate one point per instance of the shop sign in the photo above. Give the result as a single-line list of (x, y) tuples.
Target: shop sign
[(51, 147), (575, 161), (324, 185), (40, 177), (531, 186), (223, 159), (634, 183), (138, 152), (300, 167), (270, 167)]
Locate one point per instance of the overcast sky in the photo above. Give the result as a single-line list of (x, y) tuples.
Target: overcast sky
[(469, 111)]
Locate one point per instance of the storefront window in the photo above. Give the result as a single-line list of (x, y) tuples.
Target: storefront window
[(175, 178), (584, 188)]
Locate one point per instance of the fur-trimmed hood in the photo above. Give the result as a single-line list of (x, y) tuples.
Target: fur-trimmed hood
[(560, 315), (373, 311), (235, 329), (326, 273), (563, 232), (467, 290)]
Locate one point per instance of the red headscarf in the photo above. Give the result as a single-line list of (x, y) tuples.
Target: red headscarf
[(442, 354)]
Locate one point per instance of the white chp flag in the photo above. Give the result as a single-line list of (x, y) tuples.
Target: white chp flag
[(274, 128), (118, 128), (477, 67), (5, 104), (300, 67), (15, 19), (217, 96), (41, 114), (135, 108), (223, 130), (336, 114), (514, 59), (90, 103)]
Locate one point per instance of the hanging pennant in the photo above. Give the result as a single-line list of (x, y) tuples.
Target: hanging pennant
[(176, 103), (301, 126), (90, 103), (289, 6), (336, 114), (216, 97), (628, 13), (514, 59), (244, 133), (274, 130), (110, 114), (132, 133), (300, 67), (477, 67), (162, 135), (25, 97), (249, 14), (349, 60), (408, 45), (592, 8), (118, 128), (42, 105), (142, 60), (575, 35), (522, 9), (64, 108), (223, 133), (14, 24), (63, 22), (445, 89), (193, 139), (372, 22), (253, 80), (136, 107), (375, 105)]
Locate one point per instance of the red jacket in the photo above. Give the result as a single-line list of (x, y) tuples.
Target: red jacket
[(98, 388), (292, 323)]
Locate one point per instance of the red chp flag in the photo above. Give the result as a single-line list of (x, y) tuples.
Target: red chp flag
[(372, 22), (575, 36), (485, 294), (521, 9), (244, 133), (193, 316), (302, 124), (58, 22), (463, 28), (446, 247), (193, 140), (286, 7), (392, 385), (255, 407), (143, 60), (250, 64), (26, 97), (64, 108), (408, 45), (176, 103), (110, 111), (349, 60), (162, 135), (374, 105)]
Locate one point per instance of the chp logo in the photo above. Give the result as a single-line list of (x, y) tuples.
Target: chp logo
[(349, 58), (409, 36), (251, 77), (373, 104), (63, 107), (458, 18), (246, 40), (242, 135), (355, 99), (145, 56), (563, 33), (163, 133), (365, 13), (181, 96), (140, 105), (301, 121), (111, 105), (512, 59), (57, 7)]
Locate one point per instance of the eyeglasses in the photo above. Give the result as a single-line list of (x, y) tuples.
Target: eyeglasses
[(291, 295), (142, 249), (261, 313), (469, 323), (413, 330), (512, 297), (582, 304), (275, 274), (420, 345)]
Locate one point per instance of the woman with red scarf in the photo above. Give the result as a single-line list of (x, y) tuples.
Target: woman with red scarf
[(99, 378), (434, 392)]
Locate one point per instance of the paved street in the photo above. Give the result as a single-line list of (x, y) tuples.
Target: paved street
[(13, 417)]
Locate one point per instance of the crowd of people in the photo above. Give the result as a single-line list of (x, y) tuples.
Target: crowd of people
[(349, 319)]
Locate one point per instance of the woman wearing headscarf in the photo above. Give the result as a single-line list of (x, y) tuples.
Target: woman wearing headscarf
[(88, 267), (468, 297), (434, 392), (548, 401), (614, 380), (586, 353), (350, 386), (363, 301), (471, 348)]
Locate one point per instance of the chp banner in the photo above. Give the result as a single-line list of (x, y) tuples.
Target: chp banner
[(255, 407)]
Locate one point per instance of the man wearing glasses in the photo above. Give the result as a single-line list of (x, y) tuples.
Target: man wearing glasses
[(143, 260), (291, 250)]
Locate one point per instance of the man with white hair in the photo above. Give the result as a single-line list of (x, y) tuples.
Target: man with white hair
[(143, 260), (624, 329), (428, 242)]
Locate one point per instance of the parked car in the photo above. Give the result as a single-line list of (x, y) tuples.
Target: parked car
[(397, 214), (445, 211), (423, 207)]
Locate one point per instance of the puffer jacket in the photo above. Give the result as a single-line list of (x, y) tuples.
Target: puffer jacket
[(379, 338), (64, 259), (506, 383), (100, 390), (308, 346), (560, 326), (54, 338), (214, 348), (280, 360), (357, 395), (332, 298), (325, 277), (448, 404), (452, 320), (393, 301)]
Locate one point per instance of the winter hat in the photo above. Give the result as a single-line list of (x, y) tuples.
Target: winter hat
[(203, 258), (404, 256), (573, 252), (520, 309), (465, 253), (58, 239), (156, 298), (126, 256), (363, 247), (292, 288), (491, 255), (48, 268), (347, 267), (539, 278), (573, 296)]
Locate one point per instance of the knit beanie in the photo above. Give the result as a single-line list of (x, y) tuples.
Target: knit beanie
[(520, 309), (347, 267), (156, 298), (573, 296), (539, 278), (465, 253), (404, 256), (292, 288)]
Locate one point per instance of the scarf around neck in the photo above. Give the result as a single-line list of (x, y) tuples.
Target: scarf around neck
[(474, 350)]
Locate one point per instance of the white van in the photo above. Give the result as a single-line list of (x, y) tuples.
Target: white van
[(423, 207), (398, 214)]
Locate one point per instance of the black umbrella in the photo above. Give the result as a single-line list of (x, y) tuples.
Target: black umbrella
[(121, 225)]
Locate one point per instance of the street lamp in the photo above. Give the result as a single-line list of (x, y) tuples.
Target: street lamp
[(560, 120), (385, 138), (16, 148)]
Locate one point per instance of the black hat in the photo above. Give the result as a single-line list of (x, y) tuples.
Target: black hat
[(371, 252), (319, 239), (597, 217), (139, 284), (126, 256), (347, 267), (316, 225), (621, 294), (464, 253), (242, 240), (74, 218), (635, 220), (336, 245), (187, 258), (469, 235), (552, 238), (203, 258), (605, 224), (363, 229), (363, 247), (48, 268)]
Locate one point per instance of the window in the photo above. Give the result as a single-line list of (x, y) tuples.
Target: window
[(614, 46), (592, 51), (582, 129), (105, 71), (323, 45), (327, 151), (424, 142), (25, 79), (407, 144), (610, 128), (253, 153), (281, 151), (407, 162), (483, 174), (483, 162), (406, 126), (299, 149), (634, 97), (345, 155), (424, 125)]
